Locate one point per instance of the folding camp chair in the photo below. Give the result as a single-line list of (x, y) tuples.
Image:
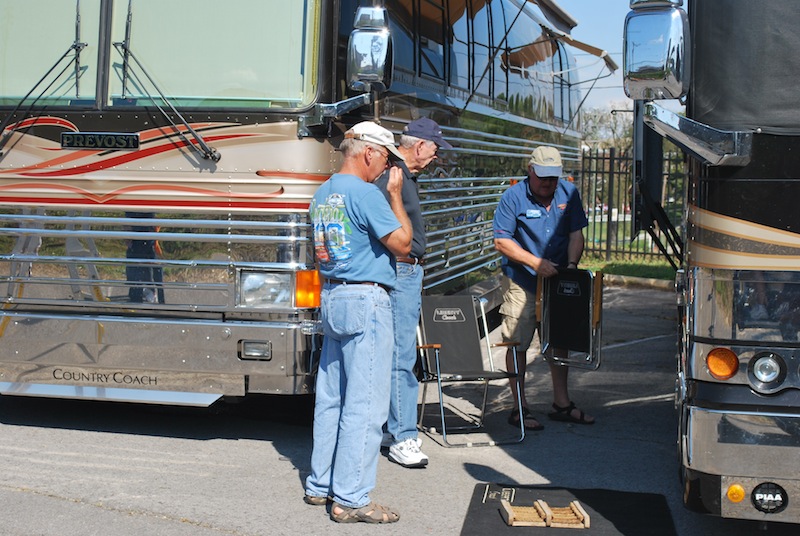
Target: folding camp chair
[(451, 351), (571, 317)]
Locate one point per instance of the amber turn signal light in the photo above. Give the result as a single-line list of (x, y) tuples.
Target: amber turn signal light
[(723, 363)]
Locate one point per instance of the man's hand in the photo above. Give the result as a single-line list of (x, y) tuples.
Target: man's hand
[(395, 184), (544, 267)]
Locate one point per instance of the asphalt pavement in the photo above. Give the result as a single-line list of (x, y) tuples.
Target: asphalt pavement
[(86, 468)]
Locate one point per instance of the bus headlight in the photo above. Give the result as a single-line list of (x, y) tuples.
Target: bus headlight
[(766, 372), (266, 289), (301, 288)]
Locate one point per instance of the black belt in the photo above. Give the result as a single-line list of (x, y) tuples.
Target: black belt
[(340, 282), (411, 260)]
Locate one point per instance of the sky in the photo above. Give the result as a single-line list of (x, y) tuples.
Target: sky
[(600, 24)]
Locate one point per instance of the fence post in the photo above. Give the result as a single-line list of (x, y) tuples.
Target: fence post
[(611, 225)]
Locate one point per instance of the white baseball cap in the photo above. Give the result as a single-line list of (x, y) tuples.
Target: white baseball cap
[(374, 133), (546, 161)]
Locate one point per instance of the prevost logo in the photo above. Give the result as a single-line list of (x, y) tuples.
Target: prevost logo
[(769, 498), (103, 141)]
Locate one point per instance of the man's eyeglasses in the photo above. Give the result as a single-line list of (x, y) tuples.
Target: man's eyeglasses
[(385, 155)]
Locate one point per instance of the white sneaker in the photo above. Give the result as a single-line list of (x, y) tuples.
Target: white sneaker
[(388, 440), (407, 453)]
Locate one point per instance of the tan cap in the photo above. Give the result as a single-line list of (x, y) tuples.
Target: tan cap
[(546, 161), (374, 133)]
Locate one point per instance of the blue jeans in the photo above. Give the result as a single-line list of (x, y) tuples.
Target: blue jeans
[(352, 392), (406, 303)]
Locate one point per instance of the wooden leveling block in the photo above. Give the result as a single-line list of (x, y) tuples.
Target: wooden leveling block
[(542, 515)]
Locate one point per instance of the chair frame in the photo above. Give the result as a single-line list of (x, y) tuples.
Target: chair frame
[(475, 422), (578, 358)]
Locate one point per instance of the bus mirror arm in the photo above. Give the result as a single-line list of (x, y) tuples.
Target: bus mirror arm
[(710, 145), (322, 114)]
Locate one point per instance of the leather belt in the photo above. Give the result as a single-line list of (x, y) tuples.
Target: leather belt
[(341, 282), (411, 260)]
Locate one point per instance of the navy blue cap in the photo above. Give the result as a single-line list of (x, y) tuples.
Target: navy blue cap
[(427, 129)]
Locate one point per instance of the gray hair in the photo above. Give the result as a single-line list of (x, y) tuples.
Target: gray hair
[(351, 147), (407, 141)]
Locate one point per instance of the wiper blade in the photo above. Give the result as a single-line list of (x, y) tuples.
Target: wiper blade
[(208, 153), (77, 46), (124, 48)]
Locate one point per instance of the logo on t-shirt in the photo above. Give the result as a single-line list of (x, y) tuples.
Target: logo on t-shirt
[(331, 230)]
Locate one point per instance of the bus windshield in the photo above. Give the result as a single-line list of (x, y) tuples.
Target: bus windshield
[(196, 53)]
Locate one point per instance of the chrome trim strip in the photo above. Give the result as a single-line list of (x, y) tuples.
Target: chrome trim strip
[(111, 394), (713, 146)]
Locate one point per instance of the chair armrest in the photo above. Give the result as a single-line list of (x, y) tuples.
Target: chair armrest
[(504, 344)]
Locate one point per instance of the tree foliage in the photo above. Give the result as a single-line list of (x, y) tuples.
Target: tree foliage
[(607, 127)]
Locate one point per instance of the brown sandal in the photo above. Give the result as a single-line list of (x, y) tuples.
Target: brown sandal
[(371, 513), (313, 500)]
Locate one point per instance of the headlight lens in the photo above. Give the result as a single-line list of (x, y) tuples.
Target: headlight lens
[(262, 289), (766, 372), (766, 369)]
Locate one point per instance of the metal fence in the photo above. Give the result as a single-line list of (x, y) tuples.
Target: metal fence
[(606, 186)]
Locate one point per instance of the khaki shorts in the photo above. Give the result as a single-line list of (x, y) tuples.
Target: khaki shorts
[(519, 314)]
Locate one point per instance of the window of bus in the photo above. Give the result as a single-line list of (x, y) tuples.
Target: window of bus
[(563, 67), (503, 15), (401, 22), (245, 54), (481, 74), (37, 47), (528, 61), (431, 38), (459, 44)]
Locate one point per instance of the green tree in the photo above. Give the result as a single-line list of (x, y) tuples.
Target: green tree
[(607, 127)]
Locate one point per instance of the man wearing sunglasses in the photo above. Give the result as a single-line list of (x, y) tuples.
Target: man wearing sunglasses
[(538, 229)]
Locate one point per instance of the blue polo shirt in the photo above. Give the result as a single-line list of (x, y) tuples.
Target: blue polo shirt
[(520, 217)]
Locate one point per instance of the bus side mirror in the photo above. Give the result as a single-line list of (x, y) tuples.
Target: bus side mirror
[(369, 51), (656, 64)]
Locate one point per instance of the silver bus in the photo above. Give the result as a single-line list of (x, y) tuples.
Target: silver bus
[(738, 367), (157, 158)]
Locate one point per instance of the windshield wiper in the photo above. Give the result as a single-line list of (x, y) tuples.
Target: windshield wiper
[(76, 46), (124, 48)]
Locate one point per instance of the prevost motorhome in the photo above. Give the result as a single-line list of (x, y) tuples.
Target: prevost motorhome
[(157, 159), (733, 63)]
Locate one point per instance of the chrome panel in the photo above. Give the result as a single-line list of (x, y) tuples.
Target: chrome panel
[(190, 350), (747, 311), (636, 4), (111, 394), (746, 510), (656, 63), (747, 444), (710, 145)]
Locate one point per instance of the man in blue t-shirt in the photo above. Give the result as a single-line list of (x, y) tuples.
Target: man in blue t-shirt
[(357, 235), (538, 228)]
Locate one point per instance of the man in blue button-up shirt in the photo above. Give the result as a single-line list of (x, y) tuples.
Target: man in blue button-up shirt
[(537, 228)]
